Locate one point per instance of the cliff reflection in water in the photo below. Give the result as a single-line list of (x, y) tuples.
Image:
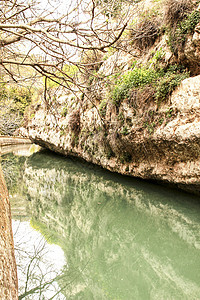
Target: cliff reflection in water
[(122, 238)]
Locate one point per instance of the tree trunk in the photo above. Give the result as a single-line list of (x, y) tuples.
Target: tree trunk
[(8, 269)]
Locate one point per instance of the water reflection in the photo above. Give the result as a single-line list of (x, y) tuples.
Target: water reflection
[(21, 149), (38, 271), (122, 238)]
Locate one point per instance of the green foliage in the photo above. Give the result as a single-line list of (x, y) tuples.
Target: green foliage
[(102, 107), (127, 169), (64, 111), (67, 74), (14, 102), (138, 77), (124, 131), (109, 153), (168, 83), (75, 139), (17, 97), (162, 81), (149, 126), (32, 115), (169, 112), (185, 27), (62, 132), (161, 121), (121, 118), (109, 8), (188, 25), (157, 57)]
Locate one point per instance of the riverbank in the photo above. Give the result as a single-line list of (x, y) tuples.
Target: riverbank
[(13, 140)]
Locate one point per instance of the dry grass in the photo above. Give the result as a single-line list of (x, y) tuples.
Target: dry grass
[(74, 121), (176, 10), (146, 94), (145, 33)]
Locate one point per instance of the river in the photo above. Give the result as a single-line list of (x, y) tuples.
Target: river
[(84, 233)]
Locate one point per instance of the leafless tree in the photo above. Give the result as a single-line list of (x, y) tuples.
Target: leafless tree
[(62, 41), (40, 275), (58, 31)]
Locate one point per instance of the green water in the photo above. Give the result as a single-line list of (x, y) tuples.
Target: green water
[(122, 238)]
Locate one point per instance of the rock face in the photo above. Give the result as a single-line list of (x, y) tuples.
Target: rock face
[(166, 149), (8, 277), (135, 136)]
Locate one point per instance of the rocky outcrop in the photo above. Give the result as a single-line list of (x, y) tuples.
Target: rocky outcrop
[(166, 149), (136, 135), (8, 277)]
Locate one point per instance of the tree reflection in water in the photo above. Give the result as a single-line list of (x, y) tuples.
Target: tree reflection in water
[(41, 266)]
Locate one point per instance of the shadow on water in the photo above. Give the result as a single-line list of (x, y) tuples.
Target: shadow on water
[(122, 238)]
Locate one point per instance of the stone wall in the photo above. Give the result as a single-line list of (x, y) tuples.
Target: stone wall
[(12, 140)]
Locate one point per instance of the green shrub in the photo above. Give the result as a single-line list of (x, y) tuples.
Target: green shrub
[(17, 97), (157, 58), (169, 112), (110, 8), (148, 83), (13, 106), (190, 23), (168, 83), (102, 107), (138, 77), (109, 153), (124, 131), (121, 118), (62, 132), (185, 27), (150, 127)]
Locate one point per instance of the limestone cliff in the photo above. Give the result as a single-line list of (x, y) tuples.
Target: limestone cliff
[(144, 124)]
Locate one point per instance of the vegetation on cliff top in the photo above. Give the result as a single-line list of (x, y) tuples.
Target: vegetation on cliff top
[(162, 81), (87, 61)]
